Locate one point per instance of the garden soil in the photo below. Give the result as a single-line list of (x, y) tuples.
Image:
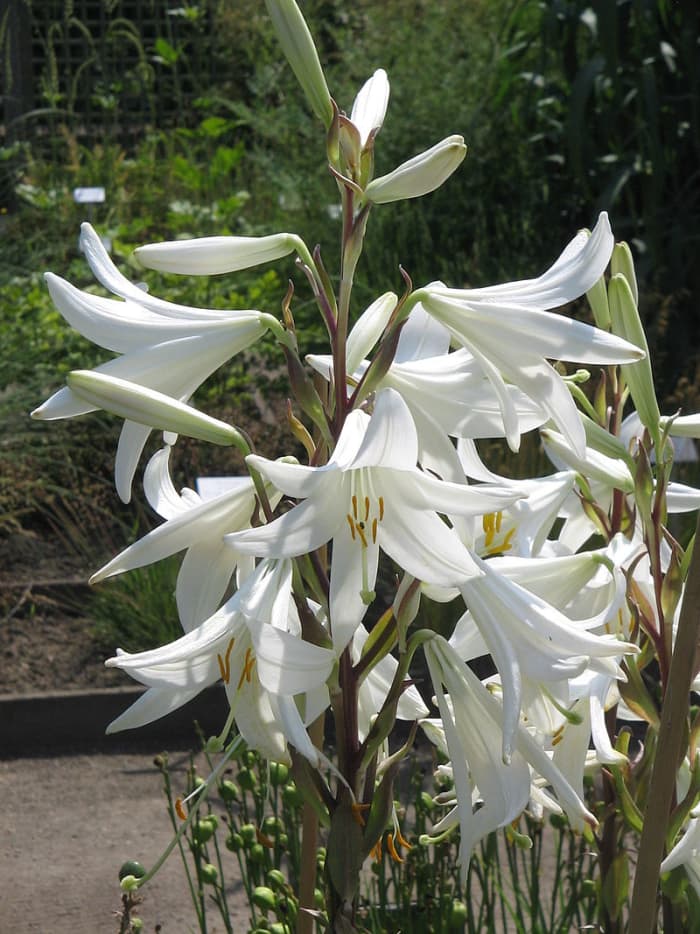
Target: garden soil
[(69, 822)]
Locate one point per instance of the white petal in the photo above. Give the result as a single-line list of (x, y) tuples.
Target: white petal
[(347, 608), (204, 576), (369, 108), (391, 439), (287, 664), (209, 256), (368, 329), (577, 269)]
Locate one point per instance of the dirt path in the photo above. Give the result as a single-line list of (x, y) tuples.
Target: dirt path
[(68, 825)]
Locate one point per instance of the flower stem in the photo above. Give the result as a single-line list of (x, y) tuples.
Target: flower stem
[(674, 713)]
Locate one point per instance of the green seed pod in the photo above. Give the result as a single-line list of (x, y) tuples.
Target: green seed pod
[(319, 899), (264, 898), (248, 833), (279, 773), (136, 925), (210, 874), (229, 791), (291, 796), (425, 802), (558, 821), (283, 841), (272, 826), (458, 915), (588, 887), (256, 854), (203, 831), (247, 780), (131, 868), (276, 879), (279, 927), (234, 842), (250, 758)]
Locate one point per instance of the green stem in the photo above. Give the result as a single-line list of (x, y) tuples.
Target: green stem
[(309, 844), (674, 713)]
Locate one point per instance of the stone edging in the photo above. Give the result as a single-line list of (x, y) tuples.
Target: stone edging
[(67, 722)]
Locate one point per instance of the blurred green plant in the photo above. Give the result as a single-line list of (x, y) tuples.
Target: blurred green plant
[(249, 828)]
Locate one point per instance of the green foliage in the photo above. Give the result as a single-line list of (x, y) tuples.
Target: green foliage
[(251, 826)]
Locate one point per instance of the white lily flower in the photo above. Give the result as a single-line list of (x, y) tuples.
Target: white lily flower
[(419, 175), (371, 495), (611, 472), (197, 526), (532, 639), (686, 852), (252, 644), (168, 348), (472, 720), (509, 331), (446, 393), (369, 108)]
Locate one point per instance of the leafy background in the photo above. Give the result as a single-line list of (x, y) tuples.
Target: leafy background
[(194, 125)]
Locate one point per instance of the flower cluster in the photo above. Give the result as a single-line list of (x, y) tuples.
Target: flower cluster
[(557, 577)]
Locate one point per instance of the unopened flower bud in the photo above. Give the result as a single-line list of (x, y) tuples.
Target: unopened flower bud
[(149, 407), (622, 263), (209, 256), (626, 323), (420, 175), (300, 52)]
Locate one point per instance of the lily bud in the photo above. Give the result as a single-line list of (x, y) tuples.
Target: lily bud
[(622, 263), (420, 175), (148, 407), (598, 300), (626, 323), (209, 256), (300, 52)]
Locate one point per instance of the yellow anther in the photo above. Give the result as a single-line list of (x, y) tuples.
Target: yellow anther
[(180, 810), (381, 508), (366, 508), (357, 810), (402, 840), (351, 523), (376, 851), (354, 506), (225, 663), (247, 672), (499, 520), (393, 852), (374, 531), (489, 524)]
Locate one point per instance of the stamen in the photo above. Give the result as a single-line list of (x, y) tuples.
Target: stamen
[(179, 809), (376, 851), (264, 840), (352, 525), (374, 531), (357, 810), (402, 840), (499, 520), (381, 508), (247, 672), (360, 531), (225, 663), (354, 505), (393, 852), (489, 525), (366, 508)]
